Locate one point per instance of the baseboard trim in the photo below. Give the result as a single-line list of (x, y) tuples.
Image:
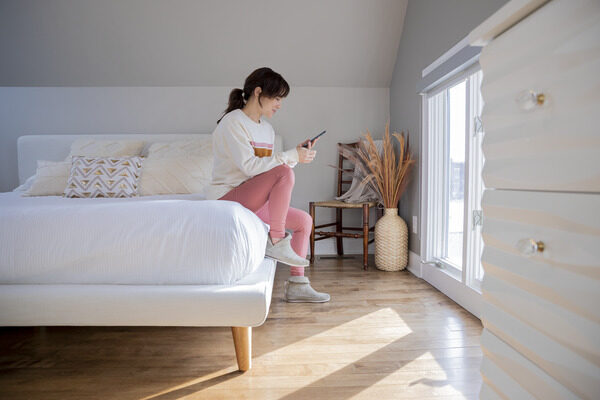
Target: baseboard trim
[(414, 264)]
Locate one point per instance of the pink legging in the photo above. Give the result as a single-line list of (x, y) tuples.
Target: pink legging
[(268, 195)]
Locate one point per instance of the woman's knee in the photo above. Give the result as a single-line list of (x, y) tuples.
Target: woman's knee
[(298, 220), (285, 172), (305, 221)]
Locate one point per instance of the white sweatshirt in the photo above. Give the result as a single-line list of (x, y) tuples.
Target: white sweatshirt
[(243, 149)]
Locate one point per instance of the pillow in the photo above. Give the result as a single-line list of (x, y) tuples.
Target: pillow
[(178, 167), (172, 175), (26, 185), (50, 178), (103, 177), (181, 148), (105, 148)]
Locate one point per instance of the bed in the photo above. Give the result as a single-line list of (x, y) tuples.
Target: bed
[(167, 260)]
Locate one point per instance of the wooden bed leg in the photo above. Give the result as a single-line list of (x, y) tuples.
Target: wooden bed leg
[(242, 340)]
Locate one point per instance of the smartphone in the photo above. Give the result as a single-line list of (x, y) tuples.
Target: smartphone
[(315, 138)]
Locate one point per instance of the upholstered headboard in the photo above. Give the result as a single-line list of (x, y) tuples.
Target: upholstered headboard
[(31, 148)]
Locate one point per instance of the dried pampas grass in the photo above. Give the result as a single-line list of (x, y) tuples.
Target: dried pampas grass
[(386, 176)]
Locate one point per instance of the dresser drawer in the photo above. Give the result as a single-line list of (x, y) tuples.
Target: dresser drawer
[(514, 376), (487, 391), (548, 143), (545, 304), (567, 271)]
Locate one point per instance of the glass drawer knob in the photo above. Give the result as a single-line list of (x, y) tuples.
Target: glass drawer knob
[(529, 246)]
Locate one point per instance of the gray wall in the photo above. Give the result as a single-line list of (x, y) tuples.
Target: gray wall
[(154, 66), (431, 27), (344, 112), (113, 43), (348, 43)]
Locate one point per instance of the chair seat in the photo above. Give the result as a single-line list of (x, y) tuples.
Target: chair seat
[(343, 204)]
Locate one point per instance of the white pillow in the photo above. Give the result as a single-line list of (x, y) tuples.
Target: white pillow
[(50, 178), (172, 175), (105, 148), (183, 166), (181, 148), (26, 185), (103, 177)]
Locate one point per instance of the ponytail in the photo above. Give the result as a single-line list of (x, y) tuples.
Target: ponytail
[(271, 83), (236, 100)]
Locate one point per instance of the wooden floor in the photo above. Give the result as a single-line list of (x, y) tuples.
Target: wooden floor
[(384, 335)]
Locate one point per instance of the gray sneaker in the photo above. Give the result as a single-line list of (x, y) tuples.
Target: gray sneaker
[(297, 289), (282, 251)]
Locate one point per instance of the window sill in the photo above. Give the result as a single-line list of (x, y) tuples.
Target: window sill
[(451, 270), (448, 283)]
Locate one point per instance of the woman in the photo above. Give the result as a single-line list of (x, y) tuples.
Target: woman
[(246, 170)]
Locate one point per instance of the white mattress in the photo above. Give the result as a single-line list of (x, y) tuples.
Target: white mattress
[(175, 239)]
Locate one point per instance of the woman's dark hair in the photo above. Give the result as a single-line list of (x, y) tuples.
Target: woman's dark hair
[(271, 83)]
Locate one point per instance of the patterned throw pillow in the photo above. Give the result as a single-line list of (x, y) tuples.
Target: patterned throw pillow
[(103, 177)]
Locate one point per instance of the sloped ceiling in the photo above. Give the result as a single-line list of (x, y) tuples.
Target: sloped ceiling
[(347, 43)]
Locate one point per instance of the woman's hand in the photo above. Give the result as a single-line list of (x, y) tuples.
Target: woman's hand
[(305, 154)]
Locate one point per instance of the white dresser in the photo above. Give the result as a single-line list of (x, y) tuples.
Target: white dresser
[(541, 206)]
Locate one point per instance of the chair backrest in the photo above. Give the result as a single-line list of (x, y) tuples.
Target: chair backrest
[(341, 180)]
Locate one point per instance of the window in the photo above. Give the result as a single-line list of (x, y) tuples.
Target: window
[(454, 179), (452, 184)]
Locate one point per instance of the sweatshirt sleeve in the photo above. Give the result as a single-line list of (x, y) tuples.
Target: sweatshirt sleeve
[(242, 152)]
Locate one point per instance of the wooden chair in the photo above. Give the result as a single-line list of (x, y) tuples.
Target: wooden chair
[(339, 206)]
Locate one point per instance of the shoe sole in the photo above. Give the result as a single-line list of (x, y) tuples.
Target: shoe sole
[(307, 301), (286, 263)]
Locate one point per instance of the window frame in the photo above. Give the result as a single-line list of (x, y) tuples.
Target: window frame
[(433, 221)]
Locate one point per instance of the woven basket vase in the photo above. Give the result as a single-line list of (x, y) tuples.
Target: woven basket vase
[(391, 242)]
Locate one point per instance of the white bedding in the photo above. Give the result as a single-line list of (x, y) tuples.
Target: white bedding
[(168, 239)]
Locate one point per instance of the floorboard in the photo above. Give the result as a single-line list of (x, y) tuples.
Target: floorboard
[(384, 335)]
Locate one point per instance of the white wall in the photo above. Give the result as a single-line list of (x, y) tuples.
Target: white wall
[(344, 111)]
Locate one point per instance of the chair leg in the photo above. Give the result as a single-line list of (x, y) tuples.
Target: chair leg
[(365, 235), (338, 227), (311, 207)]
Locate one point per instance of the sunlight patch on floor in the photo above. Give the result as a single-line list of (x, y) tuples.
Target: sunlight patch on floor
[(445, 393), (197, 381), (310, 350)]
